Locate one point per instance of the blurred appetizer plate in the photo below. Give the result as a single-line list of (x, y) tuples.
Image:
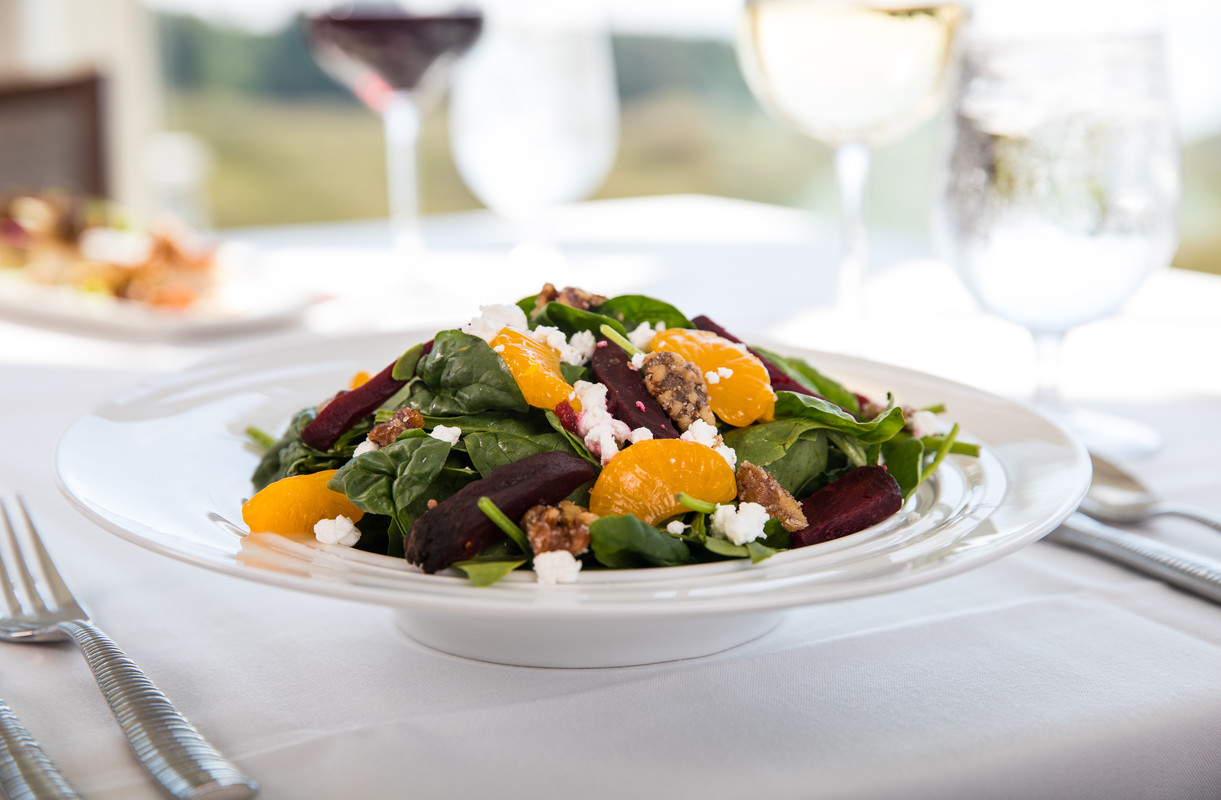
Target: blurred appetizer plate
[(167, 466), (236, 306)]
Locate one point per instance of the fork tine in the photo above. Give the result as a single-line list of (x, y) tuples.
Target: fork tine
[(10, 594), (59, 590)]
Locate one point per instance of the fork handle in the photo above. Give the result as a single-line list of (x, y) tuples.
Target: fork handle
[(26, 773), (176, 755)]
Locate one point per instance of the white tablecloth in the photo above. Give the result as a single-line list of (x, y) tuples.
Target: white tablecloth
[(1046, 674)]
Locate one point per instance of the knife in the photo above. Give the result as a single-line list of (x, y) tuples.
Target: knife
[(1140, 553)]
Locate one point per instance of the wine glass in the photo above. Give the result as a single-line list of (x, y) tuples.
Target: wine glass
[(852, 75), (396, 57), (534, 117), (1060, 191)]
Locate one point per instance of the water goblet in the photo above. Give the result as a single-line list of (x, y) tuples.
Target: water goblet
[(534, 118), (1060, 191)]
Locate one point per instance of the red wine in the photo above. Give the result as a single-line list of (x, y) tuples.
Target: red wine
[(399, 47)]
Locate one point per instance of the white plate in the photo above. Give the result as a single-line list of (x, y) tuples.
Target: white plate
[(237, 306), (167, 466)]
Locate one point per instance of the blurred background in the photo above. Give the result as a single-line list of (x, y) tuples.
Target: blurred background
[(214, 109)]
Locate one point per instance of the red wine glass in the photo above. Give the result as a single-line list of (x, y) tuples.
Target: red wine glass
[(396, 58)]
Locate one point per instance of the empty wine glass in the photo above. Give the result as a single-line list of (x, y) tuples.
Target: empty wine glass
[(852, 74), (534, 116), (1060, 192), (395, 56)]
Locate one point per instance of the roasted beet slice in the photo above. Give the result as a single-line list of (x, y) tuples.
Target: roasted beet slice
[(863, 497), (348, 408), (627, 399), (780, 381), (456, 529)]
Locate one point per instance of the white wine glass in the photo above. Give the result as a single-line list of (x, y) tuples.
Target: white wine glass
[(1060, 190), (396, 57), (854, 76), (534, 117)]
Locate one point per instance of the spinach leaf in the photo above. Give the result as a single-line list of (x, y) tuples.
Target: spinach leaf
[(484, 571), (623, 542), (394, 478), (570, 320), (527, 305), (804, 465), (812, 379), (491, 449), (828, 415), (573, 373), (575, 442), (404, 368), (904, 458), (633, 309), (766, 442), (463, 375), (290, 456)]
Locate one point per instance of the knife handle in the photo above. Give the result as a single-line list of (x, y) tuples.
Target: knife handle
[(175, 754), (1142, 554), (26, 773)]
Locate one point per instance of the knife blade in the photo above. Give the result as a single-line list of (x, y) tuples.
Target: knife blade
[(1140, 553)]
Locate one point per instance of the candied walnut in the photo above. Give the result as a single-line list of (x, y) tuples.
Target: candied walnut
[(563, 527), (569, 296), (678, 386), (386, 432), (756, 485)]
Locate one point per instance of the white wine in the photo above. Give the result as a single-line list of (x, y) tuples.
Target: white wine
[(842, 72)]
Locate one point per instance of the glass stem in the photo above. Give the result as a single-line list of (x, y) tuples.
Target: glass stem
[(852, 174), (401, 118), (1047, 346)]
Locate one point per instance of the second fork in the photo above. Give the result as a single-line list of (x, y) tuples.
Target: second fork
[(178, 757)]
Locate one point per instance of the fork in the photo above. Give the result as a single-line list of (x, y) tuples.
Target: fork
[(175, 754), (26, 773)]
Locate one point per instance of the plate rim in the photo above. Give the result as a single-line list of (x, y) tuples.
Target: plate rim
[(564, 601)]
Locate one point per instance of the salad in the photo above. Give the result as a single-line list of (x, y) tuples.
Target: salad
[(94, 246), (573, 431)]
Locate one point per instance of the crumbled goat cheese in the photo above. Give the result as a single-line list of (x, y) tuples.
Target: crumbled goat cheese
[(367, 446), (641, 435), (447, 433), (556, 566), (923, 423), (500, 348), (577, 350), (602, 432), (493, 318), (637, 361), (642, 337), (711, 377), (340, 530), (114, 246), (701, 432), (739, 525), (724, 372), (675, 527)]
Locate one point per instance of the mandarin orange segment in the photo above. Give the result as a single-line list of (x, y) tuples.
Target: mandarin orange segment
[(741, 392), (536, 368), (645, 479), (293, 505), (358, 380)]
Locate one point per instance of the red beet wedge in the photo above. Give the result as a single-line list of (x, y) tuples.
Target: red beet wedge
[(863, 497), (627, 399), (348, 408), (457, 529)]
